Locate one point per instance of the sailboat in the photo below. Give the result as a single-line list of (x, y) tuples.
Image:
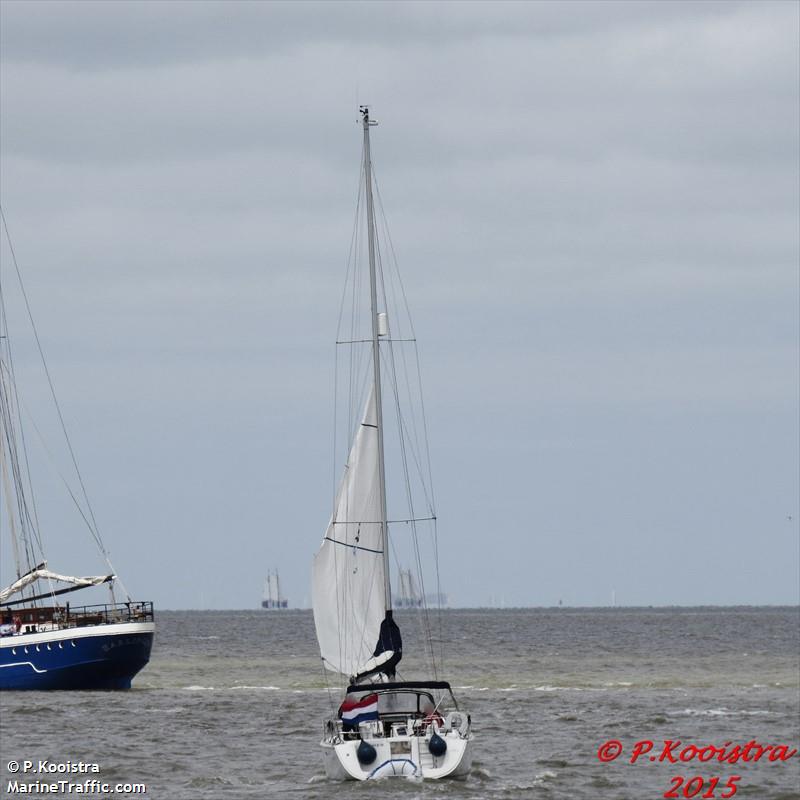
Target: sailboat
[(384, 725), (272, 592), (46, 642)]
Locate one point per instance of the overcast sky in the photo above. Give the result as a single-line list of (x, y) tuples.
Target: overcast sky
[(595, 209)]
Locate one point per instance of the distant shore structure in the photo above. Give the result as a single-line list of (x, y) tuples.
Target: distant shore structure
[(272, 592), (409, 595)]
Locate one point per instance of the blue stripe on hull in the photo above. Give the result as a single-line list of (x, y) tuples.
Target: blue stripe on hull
[(89, 662)]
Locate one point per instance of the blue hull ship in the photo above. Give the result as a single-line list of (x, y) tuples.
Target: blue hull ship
[(97, 648)]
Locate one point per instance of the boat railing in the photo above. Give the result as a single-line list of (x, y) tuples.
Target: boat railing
[(402, 724), (32, 620), (108, 613)]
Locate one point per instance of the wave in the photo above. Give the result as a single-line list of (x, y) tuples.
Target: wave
[(259, 688), (720, 712), (197, 688)]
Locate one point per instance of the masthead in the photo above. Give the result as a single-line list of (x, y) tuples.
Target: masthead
[(365, 118)]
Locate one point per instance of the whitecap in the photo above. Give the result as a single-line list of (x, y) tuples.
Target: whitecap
[(720, 712), (538, 780), (547, 688), (259, 688)]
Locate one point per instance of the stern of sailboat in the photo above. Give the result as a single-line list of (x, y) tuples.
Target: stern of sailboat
[(397, 730)]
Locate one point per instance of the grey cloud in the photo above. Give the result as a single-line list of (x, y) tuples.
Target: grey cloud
[(595, 209)]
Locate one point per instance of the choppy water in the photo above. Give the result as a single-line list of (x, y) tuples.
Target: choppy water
[(232, 705)]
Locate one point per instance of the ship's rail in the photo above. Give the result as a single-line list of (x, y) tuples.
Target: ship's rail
[(35, 619)]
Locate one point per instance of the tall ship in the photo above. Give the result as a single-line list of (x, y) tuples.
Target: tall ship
[(272, 592), (382, 722), (47, 641), (408, 594)]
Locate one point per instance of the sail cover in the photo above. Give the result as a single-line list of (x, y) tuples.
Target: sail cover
[(42, 573), (348, 573)]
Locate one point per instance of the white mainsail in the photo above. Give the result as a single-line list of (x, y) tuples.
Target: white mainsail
[(348, 572)]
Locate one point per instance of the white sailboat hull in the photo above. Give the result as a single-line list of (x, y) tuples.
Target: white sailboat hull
[(398, 756)]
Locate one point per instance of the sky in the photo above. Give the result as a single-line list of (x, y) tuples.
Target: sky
[(595, 210)]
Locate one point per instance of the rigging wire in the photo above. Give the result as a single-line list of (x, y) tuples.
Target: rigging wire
[(425, 475), (405, 440), (28, 517), (91, 520)]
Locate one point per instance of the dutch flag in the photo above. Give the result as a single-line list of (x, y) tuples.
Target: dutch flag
[(353, 711)]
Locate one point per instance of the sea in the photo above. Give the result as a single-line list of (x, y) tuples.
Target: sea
[(565, 704)]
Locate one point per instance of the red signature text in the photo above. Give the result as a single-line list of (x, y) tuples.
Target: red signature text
[(692, 787), (674, 752)]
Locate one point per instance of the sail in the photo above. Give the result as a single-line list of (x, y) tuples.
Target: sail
[(348, 571)]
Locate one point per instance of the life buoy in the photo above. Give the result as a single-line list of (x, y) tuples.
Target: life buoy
[(458, 721)]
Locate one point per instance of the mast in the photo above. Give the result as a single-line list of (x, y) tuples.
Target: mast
[(376, 357), (11, 520), (8, 447)]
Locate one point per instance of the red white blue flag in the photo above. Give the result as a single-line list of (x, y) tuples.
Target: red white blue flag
[(353, 712)]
